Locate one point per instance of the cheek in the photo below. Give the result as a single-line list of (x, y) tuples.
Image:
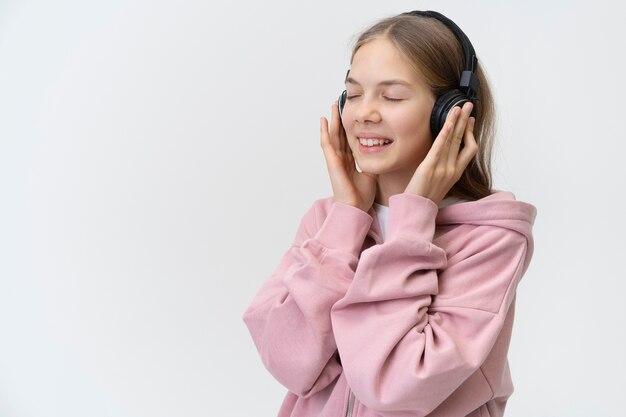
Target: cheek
[(411, 122)]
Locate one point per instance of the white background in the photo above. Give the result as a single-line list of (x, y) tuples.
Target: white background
[(156, 158)]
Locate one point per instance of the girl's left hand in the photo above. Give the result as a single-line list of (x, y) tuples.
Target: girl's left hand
[(444, 164)]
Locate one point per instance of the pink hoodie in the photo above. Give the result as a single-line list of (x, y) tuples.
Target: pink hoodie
[(417, 325)]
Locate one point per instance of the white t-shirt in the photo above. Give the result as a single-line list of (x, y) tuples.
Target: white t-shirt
[(383, 215), (383, 212)]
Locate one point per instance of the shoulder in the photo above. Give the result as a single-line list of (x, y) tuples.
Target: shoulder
[(500, 209), (499, 225)]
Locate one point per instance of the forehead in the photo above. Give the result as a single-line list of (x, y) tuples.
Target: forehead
[(380, 60)]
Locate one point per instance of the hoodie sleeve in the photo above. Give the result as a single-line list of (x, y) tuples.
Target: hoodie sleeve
[(403, 350), (289, 318)]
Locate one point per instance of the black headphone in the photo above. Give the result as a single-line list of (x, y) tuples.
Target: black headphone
[(468, 84)]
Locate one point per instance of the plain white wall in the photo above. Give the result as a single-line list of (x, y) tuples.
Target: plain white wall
[(156, 158)]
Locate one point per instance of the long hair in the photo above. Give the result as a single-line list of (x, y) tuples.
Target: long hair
[(436, 55)]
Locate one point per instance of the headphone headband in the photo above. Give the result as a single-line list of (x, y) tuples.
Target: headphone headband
[(469, 82)]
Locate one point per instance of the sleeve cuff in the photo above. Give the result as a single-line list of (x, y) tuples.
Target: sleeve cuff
[(344, 228), (411, 216)]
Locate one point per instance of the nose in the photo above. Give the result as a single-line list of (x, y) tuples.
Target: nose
[(365, 110)]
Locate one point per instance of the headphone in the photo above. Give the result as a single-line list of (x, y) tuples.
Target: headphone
[(468, 84)]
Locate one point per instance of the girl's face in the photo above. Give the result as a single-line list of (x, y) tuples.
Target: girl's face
[(387, 99)]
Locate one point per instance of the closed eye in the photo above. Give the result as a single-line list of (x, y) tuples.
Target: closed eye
[(386, 98)]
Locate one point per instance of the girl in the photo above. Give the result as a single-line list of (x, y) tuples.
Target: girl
[(397, 296)]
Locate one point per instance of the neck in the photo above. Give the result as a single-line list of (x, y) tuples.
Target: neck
[(391, 183)]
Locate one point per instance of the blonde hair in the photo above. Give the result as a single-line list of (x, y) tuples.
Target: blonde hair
[(437, 56)]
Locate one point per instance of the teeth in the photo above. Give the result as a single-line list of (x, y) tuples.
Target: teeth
[(373, 142)]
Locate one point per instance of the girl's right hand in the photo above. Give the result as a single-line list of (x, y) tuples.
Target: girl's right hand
[(350, 186)]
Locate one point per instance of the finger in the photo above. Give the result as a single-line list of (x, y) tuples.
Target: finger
[(340, 137), (461, 121), (325, 142), (330, 156), (459, 129), (470, 147), (323, 131), (440, 144), (335, 157), (335, 126), (345, 146), (337, 129), (334, 164)]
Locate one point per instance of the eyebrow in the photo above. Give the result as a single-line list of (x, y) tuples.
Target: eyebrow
[(351, 80)]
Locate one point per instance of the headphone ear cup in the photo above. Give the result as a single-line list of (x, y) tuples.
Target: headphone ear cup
[(342, 101), (444, 104)]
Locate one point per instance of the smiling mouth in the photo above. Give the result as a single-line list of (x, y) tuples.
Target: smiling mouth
[(374, 142)]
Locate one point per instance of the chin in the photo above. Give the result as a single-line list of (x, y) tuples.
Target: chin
[(372, 168)]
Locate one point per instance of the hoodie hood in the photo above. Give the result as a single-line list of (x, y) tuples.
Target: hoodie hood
[(498, 209)]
